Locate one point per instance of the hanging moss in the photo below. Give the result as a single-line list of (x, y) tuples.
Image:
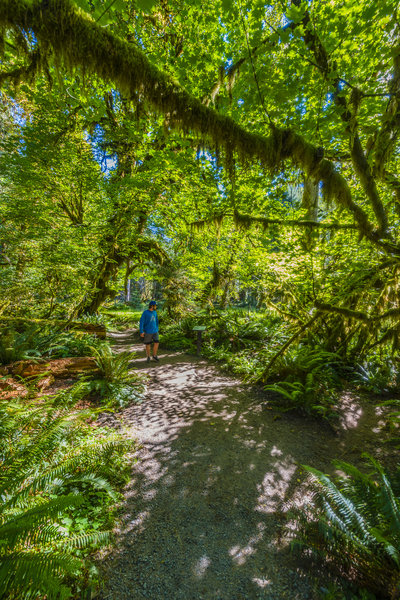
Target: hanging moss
[(77, 41), (245, 221), (358, 315), (215, 220), (242, 221)]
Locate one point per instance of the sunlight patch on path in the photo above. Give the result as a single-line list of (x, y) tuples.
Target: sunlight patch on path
[(216, 472)]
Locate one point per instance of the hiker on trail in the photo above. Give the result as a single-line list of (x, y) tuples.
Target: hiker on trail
[(149, 329)]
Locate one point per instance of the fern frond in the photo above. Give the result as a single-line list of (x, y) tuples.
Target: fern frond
[(355, 527), (340, 507), (390, 505), (87, 539), (36, 573), (12, 530), (47, 453), (46, 438)]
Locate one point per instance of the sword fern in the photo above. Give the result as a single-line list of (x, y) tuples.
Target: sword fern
[(353, 523), (49, 466)]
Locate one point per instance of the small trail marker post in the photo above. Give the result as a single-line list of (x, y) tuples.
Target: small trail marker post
[(199, 329)]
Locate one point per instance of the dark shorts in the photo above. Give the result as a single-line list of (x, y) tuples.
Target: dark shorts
[(150, 337)]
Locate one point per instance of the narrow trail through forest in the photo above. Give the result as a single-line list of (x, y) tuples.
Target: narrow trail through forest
[(216, 471)]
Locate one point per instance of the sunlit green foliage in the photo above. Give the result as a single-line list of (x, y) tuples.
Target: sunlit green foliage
[(354, 525), (117, 385), (48, 341), (58, 482), (236, 154)]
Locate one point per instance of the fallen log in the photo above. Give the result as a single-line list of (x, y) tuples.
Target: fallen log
[(10, 389), (58, 368)]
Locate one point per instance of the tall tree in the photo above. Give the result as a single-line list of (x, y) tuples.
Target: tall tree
[(280, 94)]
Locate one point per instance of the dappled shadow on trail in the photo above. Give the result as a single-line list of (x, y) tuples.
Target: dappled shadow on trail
[(215, 475)]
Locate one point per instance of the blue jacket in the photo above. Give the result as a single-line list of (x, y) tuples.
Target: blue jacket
[(149, 322)]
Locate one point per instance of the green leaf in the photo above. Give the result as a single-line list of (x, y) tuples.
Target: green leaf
[(146, 5), (284, 35), (83, 4), (227, 5)]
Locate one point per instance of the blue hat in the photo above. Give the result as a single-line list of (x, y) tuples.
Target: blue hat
[(153, 303)]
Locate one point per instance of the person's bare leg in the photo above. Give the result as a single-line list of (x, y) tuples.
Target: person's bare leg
[(155, 348), (148, 350)]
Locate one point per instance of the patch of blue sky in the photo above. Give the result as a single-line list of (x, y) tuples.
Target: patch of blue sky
[(205, 155), (301, 106), (108, 162), (285, 21), (159, 232), (18, 114), (329, 99)]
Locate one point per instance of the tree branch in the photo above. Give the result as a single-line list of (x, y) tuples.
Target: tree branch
[(356, 314), (77, 41), (359, 159), (246, 220), (387, 136), (290, 341)]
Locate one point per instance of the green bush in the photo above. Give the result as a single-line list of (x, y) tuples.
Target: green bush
[(38, 341), (15, 345), (123, 317), (378, 374), (179, 335), (92, 319), (69, 343), (310, 383), (57, 477), (353, 525), (116, 384)]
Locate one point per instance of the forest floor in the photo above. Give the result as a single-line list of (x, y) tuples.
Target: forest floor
[(217, 470)]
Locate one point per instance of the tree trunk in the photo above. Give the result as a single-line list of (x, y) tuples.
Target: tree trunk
[(109, 269), (310, 202)]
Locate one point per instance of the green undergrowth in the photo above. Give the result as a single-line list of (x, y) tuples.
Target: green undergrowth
[(308, 382), (122, 317), (60, 474), (116, 384), (37, 341), (229, 334), (307, 377), (60, 482), (351, 527)]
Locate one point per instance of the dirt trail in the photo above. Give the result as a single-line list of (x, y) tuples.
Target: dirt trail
[(216, 471)]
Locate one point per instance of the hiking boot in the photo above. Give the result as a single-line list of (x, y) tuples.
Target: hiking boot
[(156, 358), (148, 359)]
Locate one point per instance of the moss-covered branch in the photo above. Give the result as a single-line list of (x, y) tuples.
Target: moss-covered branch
[(284, 313), (78, 41), (245, 221), (342, 310), (305, 327), (348, 113), (357, 314), (394, 183)]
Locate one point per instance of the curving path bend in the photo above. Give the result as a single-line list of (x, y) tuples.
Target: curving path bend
[(216, 472)]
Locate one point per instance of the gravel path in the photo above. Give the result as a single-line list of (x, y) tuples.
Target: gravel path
[(216, 471)]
